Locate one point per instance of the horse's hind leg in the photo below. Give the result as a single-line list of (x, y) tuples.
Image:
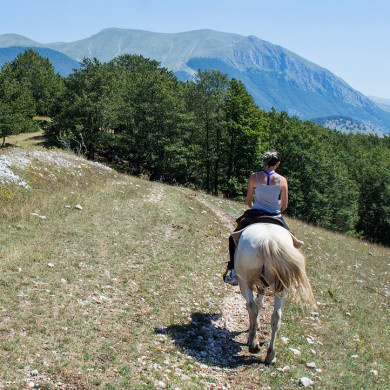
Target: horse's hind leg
[(253, 313), (276, 320), (259, 301), (260, 298)]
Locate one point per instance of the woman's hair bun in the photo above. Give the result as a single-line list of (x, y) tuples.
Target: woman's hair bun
[(271, 158)]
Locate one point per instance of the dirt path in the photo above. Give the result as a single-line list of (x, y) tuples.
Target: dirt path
[(234, 313)]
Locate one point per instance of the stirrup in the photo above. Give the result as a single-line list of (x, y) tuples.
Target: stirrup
[(231, 278)]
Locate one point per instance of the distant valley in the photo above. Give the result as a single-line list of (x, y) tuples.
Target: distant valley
[(274, 76), (381, 102)]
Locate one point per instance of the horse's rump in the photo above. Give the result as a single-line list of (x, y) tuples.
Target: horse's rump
[(266, 255)]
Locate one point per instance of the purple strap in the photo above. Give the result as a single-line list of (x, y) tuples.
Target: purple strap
[(268, 175)]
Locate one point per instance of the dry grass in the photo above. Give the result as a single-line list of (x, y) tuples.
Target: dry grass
[(25, 140), (127, 292)]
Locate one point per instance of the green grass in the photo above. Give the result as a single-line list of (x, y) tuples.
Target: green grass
[(137, 279)]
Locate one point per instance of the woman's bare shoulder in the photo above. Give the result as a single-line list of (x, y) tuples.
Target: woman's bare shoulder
[(278, 179), (283, 180), (253, 178)]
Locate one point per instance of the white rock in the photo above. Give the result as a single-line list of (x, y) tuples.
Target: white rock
[(313, 351), (285, 368), (34, 373), (284, 339), (296, 352), (67, 206), (31, 385), (51, 265), (42, 217), (309, 340), (319, 370), (101, 166), (305, 382), (311, 365), (374, 372), (78, 207), (354, 356), (63, 280), (160, 385), (348, 314)]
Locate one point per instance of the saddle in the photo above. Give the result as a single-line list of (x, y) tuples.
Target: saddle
[(266, 219)]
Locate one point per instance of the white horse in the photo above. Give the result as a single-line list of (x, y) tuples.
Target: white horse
[(266, 257)]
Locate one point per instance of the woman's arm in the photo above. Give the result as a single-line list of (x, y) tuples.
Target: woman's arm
[(251, 189), (283, 195)]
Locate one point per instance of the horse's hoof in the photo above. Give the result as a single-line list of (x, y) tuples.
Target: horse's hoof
[(270, 358), (254, 349)]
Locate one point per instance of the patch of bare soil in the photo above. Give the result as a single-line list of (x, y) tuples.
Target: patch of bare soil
[(234, 323)]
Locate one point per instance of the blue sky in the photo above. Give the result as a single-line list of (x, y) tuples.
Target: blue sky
[(351, 38)]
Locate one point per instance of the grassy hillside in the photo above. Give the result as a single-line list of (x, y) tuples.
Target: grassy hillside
[(127, 292)]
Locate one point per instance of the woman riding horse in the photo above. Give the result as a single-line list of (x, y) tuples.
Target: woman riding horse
[(267, 186)]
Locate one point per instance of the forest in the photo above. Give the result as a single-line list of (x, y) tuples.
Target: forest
[(207, 133)]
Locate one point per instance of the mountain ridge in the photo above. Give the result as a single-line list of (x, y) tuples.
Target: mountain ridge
[(61, 62), (275, 76)]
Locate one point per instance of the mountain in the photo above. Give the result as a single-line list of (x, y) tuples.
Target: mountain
[(274, 76), (8, 40), (63, 64)]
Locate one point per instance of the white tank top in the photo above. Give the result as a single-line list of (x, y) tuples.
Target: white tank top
[(267, 197)]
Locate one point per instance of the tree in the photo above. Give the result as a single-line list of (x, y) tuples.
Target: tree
[(88, 109), (35, 74), (153, 119), (206, 97), (322, 188), (16, 108), (374, 199), (247, 135)]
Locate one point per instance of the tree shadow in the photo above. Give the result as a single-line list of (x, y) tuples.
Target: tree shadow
[(38, 140), (204, 341)]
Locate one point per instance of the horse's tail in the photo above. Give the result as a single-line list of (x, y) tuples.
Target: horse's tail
[(284, 268)]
